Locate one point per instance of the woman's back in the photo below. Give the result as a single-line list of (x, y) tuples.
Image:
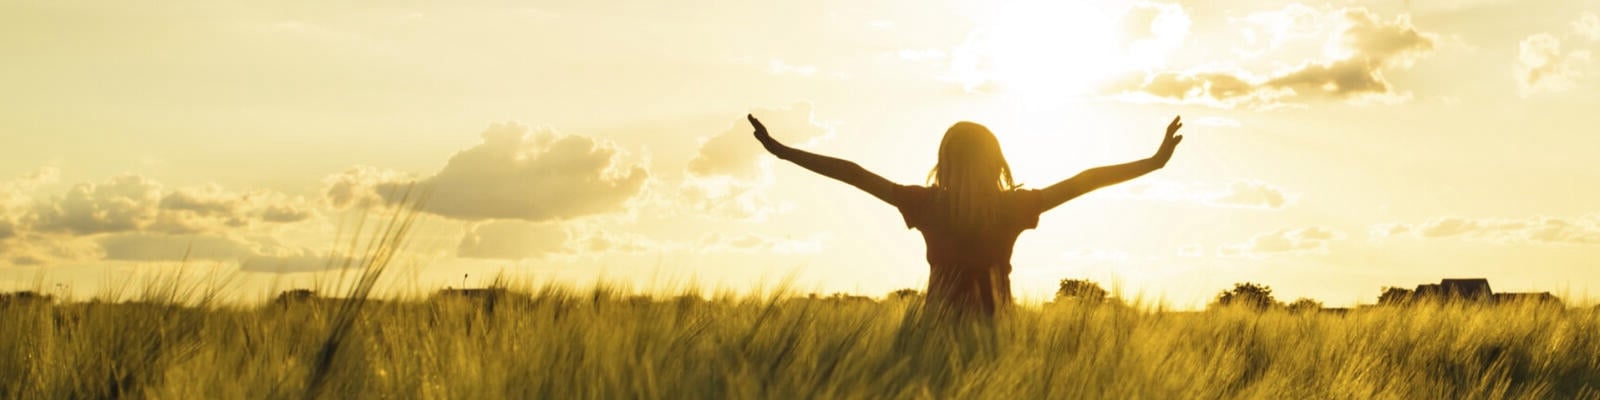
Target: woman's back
[(969, 267), (971, 215)]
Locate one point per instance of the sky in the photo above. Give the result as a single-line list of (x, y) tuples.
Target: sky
[(1331, 149)]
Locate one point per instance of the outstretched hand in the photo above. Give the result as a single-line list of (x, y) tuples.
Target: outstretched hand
[(762, 136), (1171, 141)]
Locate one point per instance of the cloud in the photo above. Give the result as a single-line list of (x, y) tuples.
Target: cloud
[(1543, 67), (735, 153), (303, 261), (1380, 231), (927, 54), (133, 203), (1286, 241), (1095, 255), (1238, 194), (1587, 26), (1215, 121), (1365, 46), (729, 175), (516, 174), (518, 240), (132, 218), (283, 213), (513, 240), (781, 68), (16, 197), (726, 198), (1251, 194), (1193, 250), (357, 187), (1154, 30), (614, 242), (751, 243), (30, 249), (164, 247), (1272, 29), (211, 208), (1535, 230), (121, 204)]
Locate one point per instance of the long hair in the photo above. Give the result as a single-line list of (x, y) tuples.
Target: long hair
[(971, 176)]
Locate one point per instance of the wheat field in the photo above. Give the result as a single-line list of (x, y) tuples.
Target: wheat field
[(176, 339), (560, 343)]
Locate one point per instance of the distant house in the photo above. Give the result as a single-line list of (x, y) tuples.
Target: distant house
[(1470, 290), (1475, 289)]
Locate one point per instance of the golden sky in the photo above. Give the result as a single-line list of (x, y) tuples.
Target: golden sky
[(1333, 148)]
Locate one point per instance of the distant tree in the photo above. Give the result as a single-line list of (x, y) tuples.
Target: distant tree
[(905, 294), (1305, 304), (1395, 296), (1247, 294), (24, 297), (1080, 290)]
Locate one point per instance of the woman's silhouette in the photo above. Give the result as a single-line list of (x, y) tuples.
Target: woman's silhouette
[(971, 212)]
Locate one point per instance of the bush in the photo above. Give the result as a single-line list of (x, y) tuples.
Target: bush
[(1249, 295), (1081, 290)]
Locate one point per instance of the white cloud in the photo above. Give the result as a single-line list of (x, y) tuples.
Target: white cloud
[(928, 54), (751, 243), (519, 240), (357, 187), (1193, 250), (1238, 194), (514, 240), (513, 174), (1312, 240), (1272, 29), (1588, 26), (1534, 230), (120, 204), (1095, 255), (735, 153), (1154, 30), (1542, 66), (1352, 70), (1215, 121), (724, 197), (1251, 194), (781, 68), (133, 218), (730, 173)]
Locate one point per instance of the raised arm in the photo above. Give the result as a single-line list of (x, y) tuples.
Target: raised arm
[(842, 170), (1099, 177)]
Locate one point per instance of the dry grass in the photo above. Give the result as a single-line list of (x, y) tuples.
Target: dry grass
[(175, 341), (556, 343)]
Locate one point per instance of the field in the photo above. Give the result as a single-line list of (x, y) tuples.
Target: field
[(559, 343)]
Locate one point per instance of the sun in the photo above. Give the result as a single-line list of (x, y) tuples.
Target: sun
[(1049, 52)]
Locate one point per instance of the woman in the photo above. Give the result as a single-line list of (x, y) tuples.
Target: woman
[(971, 212)]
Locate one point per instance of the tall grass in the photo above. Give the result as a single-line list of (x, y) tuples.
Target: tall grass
[(172, 340), (556, 342)]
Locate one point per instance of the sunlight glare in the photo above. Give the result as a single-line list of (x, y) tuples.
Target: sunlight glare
[(1042, 52)]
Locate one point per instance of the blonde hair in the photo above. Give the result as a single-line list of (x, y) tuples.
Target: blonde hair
[(970, 177)]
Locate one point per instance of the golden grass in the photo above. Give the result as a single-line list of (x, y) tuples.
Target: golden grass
[(562, 343), (552, 342)]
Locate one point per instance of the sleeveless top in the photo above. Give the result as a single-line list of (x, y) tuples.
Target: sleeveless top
[(968, 271)]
